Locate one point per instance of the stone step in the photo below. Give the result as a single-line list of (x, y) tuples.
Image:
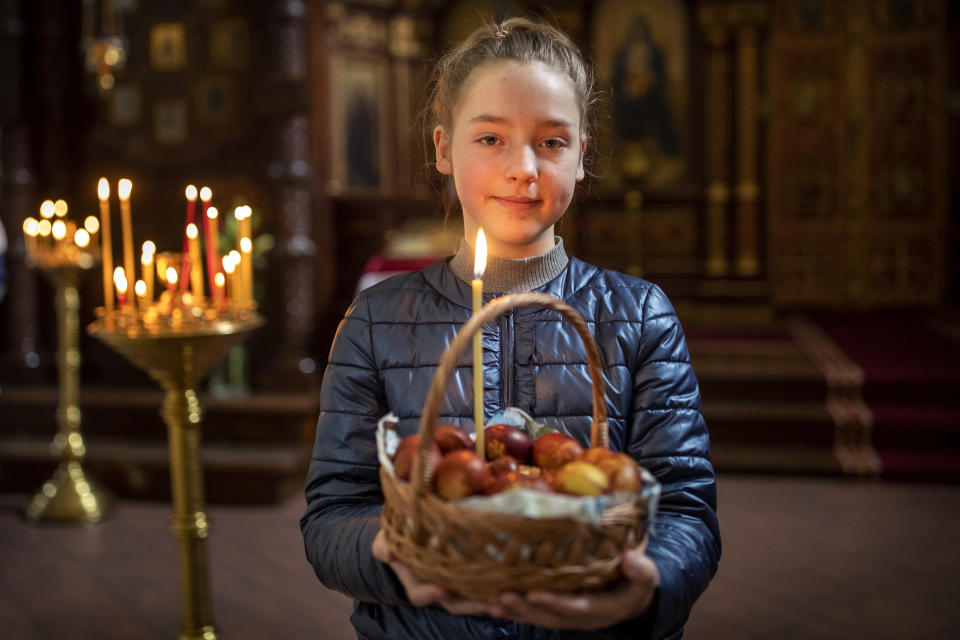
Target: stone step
[(253, 473)]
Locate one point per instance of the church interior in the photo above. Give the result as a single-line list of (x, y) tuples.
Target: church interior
[(785, 170)]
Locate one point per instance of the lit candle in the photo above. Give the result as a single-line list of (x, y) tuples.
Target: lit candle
[(479, 265), (246, 268), (81, 238), (229, 267), (124, 186), (59, 231), (196, 268), (103, 193), (146, 269), (60, 208), (43, 228), (120, 280), (171, 284), (211, 245), (92, 225), (191, 193), (140, 288), (218, 284), (47, 209), (30, 231)]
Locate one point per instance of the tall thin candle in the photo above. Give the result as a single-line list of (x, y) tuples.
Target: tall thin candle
[(209, 235), (479, 266), (196, 268), (191, 193), (146, 267), (246, 269), (103, 193), (124, 186)]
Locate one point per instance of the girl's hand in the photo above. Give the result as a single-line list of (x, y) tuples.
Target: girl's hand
[(420, 593), (629, 599)]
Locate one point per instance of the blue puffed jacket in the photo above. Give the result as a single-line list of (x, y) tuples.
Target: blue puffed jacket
[(383, 359)]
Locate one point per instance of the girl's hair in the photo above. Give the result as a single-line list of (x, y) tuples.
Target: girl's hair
[(519, 39)]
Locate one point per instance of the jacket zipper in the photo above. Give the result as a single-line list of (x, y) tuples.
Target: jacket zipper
[(506, 358)]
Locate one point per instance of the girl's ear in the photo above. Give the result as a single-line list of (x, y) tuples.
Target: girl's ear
[(441, 142), (583, 150)]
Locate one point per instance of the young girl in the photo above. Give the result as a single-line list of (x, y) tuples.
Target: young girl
[(512, 107)]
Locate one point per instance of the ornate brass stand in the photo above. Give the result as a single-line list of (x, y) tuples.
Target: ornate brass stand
[(178, 360), (70, 495)]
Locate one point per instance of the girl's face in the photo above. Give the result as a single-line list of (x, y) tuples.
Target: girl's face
[(515, 153)]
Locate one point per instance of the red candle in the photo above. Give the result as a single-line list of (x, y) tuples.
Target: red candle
[(120, 281), (209, 234), (191, 193)]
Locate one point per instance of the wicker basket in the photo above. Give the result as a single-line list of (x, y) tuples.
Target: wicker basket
[(479, 554)]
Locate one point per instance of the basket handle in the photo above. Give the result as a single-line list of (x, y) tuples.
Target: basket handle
[(599, 435)]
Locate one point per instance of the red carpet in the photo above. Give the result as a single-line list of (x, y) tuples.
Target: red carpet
[(911, 385)]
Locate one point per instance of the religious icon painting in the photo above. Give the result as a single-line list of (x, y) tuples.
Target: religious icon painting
[(642, 52), (359, 117), (170, 122), (230, 43), (168, 46), (125, 104), (215, 101)]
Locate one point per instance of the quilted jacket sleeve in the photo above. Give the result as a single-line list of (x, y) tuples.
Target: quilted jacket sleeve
[(343, 487), (669, 437)]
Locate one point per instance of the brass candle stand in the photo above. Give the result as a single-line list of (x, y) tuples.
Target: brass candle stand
[(178, 358), (70, 495)]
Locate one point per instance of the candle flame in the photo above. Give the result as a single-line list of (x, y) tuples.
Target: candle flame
[(171, 275), (238, 213), (91, 224), (60, 208), (30, 227), (480, 261), (212, 213), (149, 247), (228, 264), (140, 288), (146, 258), (81, 238), (124, 187), (192, 231), (103, 189), (43, 228), (235, 256), (120, 279), (218, 279), (191, 192), (245, 245), (47, 209), (59, 230), (206, 194)]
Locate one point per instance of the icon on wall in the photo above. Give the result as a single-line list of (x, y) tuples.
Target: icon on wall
[(359, 118), (170, 122), (642, 52), (215, 101), (168, 46), (230, 43)]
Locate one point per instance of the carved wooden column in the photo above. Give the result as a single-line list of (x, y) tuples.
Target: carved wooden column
[(713, 23), (291, 171), (856, 187), (747, 19)]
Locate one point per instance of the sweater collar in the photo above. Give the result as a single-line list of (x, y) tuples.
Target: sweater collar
[(504, 275)]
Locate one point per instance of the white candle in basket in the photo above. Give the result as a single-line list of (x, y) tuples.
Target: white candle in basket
[(479, 265)]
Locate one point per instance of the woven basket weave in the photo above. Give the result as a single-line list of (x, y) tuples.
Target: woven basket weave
[(480, 554)]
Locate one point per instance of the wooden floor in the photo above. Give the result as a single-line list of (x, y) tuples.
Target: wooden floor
[(803, 558)]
